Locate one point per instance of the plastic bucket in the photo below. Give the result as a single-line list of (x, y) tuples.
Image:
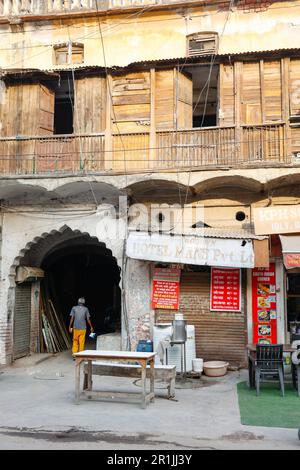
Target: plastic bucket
[(197, 365)]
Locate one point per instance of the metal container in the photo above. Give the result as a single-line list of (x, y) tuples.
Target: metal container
[(179, 331)]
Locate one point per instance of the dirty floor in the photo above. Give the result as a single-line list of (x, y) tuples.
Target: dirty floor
[(38, 412)]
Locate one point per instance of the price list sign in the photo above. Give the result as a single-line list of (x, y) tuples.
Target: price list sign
[(165, 288), (225, 290)]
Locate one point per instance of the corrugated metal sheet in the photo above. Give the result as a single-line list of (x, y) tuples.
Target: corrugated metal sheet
[(230, 233), (191, 60), (216, 233), (219, 335), (22, 318)]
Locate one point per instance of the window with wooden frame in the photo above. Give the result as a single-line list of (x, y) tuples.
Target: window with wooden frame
[(202, 44), (68, 53)]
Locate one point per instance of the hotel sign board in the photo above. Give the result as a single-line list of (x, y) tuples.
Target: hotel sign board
[(202, 251), (276, 219)]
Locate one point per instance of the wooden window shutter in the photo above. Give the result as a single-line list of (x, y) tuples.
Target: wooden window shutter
[(202, 44)]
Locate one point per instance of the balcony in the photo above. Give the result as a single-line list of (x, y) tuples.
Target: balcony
[(24, 8), (198, 148)]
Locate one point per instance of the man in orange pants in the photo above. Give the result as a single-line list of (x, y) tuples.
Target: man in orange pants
[(80, 316)]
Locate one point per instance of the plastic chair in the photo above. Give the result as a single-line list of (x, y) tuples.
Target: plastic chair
[(269, 361)]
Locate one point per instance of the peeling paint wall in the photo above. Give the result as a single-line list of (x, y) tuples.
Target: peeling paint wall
[(21, 229), (153, 34), (138, 296)]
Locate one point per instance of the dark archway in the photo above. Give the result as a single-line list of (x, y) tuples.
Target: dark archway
[(84, 268), (75, 265)]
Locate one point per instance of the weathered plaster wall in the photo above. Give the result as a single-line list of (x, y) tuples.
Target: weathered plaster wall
[(153, 35), (138, 296), (21, 229)]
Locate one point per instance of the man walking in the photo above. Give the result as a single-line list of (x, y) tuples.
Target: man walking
[(80, 316)]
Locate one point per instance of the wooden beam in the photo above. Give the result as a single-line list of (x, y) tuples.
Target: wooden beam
[(285, 74), (262, 91), (238, 74), (108, 147), (152, 142)]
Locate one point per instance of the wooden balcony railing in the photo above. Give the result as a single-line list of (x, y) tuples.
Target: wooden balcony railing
[(48, 7), (210, 147)]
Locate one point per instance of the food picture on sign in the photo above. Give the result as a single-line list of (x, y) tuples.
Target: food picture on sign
[(265, 289), (263, 315), (264, 341), (273, 315), (264, 330), (263, 302)]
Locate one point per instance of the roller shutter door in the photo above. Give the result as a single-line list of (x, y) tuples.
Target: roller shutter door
[(22, 319), (219, 335)]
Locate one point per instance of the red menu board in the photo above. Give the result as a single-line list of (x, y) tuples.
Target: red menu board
[(165, 289), (225, 289), (264, 305)]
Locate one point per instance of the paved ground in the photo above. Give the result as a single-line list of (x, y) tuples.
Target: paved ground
[(38, 412)]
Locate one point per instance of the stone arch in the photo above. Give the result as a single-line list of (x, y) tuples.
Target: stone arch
[(51, 249), (35, 251), (237, 181)]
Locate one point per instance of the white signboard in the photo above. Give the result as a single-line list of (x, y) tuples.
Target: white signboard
[(276, 219), (191, 250)]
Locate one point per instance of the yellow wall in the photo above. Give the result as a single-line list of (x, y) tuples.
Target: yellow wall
[(137, 36)]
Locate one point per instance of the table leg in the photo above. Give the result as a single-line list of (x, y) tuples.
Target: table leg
[(250, 372), (152, 377), (144, 385), (90, 383), (77, 380)]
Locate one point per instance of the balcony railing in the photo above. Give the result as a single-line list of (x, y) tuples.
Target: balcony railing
[(47, 7), (211, 147)]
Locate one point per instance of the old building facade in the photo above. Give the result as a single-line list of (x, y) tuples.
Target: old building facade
[(162, 102)]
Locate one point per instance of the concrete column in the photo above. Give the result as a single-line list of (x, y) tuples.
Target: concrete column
[(281, 301), (249, 306)]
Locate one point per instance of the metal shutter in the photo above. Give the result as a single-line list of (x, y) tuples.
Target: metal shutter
[(22, 319), (219, 335)]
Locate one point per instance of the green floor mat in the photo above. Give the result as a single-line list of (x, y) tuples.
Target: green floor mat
[(269, 409)]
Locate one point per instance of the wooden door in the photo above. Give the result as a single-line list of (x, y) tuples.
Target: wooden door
[(45, 124)]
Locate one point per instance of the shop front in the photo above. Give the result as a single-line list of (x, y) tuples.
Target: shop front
[(206, 280), (277, 299)]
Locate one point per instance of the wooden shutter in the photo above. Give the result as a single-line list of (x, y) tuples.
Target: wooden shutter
[(272, 91), (219, 335), (184, 92), (90, 105), (131, 101), (227, 95), (173, 100), (45, 123), (22, 319), (251, 94), (294, 87)]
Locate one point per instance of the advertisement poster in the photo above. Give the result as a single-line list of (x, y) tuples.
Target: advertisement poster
[(165, 288), (225, 290), (264, 305)]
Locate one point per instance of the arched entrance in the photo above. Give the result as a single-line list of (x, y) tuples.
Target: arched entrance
[(75, 265)]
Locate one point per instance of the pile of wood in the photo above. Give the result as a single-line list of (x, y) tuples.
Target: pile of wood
[(54, 336)]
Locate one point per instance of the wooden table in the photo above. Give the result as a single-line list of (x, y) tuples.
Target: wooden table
[(143, 359), (251, 348)]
